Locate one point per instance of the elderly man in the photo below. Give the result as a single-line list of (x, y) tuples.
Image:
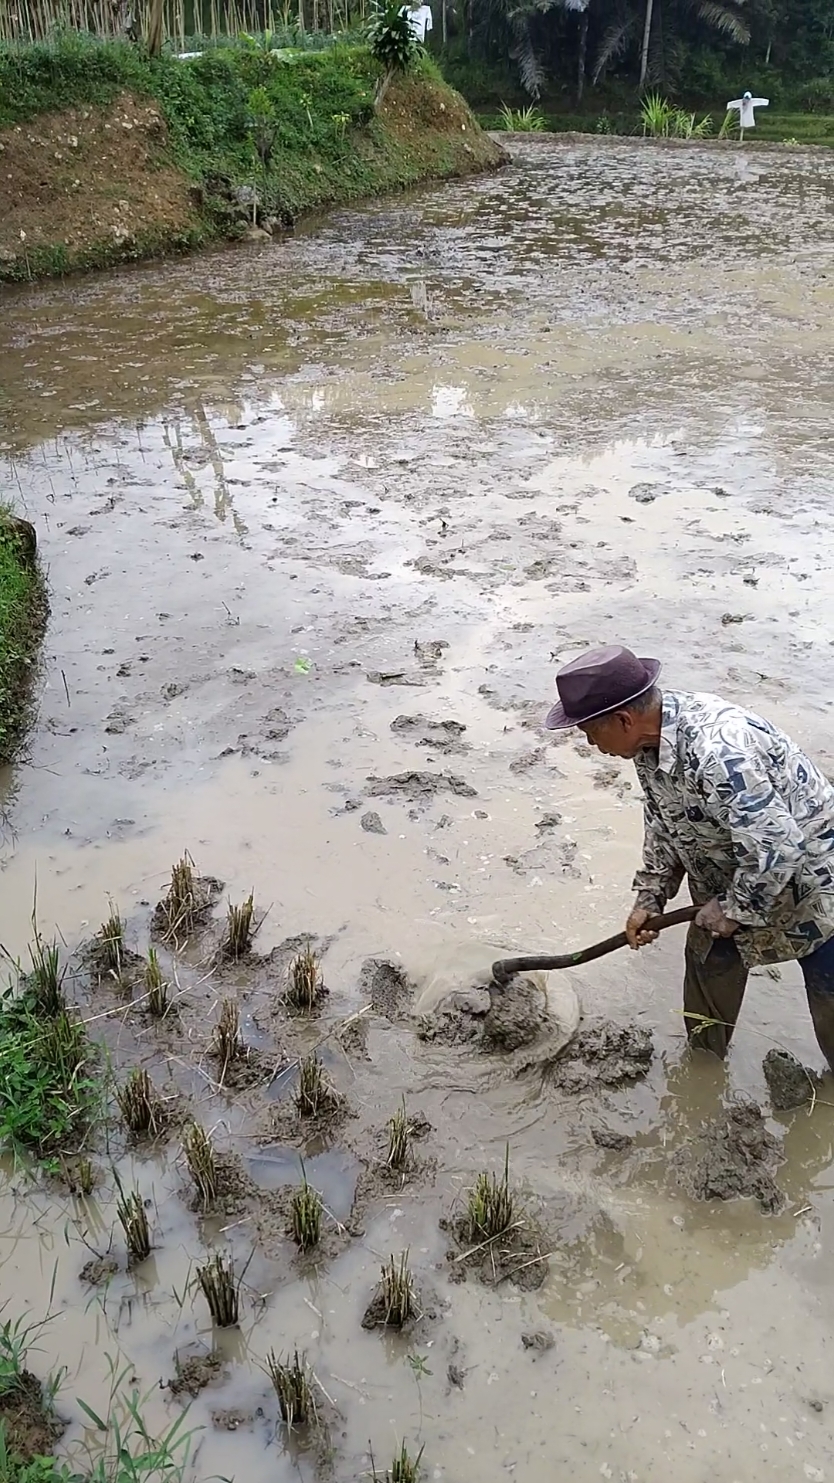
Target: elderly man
[(731, 803)]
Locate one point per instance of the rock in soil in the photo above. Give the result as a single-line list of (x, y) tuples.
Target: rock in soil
[(789, 1082), (604, 1054), (194, 1372), (372, 823), (733, 1158), (419, 787), (607, 1138), (538, 1339), (99, 1270), (516, 1015)]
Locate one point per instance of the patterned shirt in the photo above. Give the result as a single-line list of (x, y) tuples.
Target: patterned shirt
[(734, 805)]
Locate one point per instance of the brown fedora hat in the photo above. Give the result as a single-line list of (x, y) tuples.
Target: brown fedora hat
[(602, 681)]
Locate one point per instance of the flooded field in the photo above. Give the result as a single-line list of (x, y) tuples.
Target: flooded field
[(321, 519)]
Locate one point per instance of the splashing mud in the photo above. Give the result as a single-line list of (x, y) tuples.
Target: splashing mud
[(279, 491)]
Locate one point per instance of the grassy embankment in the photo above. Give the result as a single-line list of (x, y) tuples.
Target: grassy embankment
[(771, 128), (107, 155), (22, 615)]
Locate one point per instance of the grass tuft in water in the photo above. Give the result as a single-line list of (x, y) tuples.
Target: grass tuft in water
[(227, 1041), (45, 980), (292, 1385), (156, 987), (404, 1468), (133, 1219), (305, 1217), (49, 1095), (79, 1176), (399, 1140), (237, 939), (141, 1108), (313, 1093), (490, 1210), (111, 943), (221, 1292), (180, 907), (397, 1292), (305, 985), (202, 1165)]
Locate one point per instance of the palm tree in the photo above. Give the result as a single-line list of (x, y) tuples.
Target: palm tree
[(723, 16)]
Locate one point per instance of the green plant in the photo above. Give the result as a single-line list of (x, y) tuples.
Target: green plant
[(657, 116), (79, 1176), (529, 120), (291, 1382), (22, 616), (133, 1219), (304, 986), (490, 1209), (202, 1165), (227, 1042), (139, 1104), (392, 43), (313, 1093), (729, 124), (156, 987), (397, 1292), (263, 126), (683, 125), (49, 1094), (239, 930), (399, 1139), (110, 942), (221, 1292), (180, 907), (130, 1452), (46, 977), (603, 125), (305, 1216), (404, 1468)]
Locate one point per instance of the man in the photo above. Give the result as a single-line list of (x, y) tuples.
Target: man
[(731, 803)]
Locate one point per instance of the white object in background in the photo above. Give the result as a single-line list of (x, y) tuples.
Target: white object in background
[(745, 106), (419, 19)]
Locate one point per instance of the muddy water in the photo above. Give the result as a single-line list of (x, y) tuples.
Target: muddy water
[(400, 467)]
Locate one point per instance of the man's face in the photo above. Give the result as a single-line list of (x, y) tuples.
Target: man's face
[(615, 735)]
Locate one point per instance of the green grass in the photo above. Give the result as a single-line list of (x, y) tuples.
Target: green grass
[(22, 612), (297, 129), (771, 128), (49, 1090)]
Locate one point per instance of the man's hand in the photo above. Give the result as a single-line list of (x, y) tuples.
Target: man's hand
[(636, 928), (713, 920)]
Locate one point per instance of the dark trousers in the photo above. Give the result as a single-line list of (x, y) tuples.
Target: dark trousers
[(714, 990)]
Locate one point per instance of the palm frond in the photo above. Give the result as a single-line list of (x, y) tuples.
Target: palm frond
[(614, 42), (524, 54), (725, 19)]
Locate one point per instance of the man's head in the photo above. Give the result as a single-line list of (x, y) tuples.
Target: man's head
[(611, 696)]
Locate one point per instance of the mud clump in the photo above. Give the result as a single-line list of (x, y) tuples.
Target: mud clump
[(194, 1372), (733, 1159), (604, 1054), (29, 1425), (99, 1270), (608, 1138), (386, 986), (419, 787), (789, 1083), (516, 1016), (538, 1340)]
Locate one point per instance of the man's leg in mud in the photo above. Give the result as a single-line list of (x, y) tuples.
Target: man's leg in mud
[(713, 989), (818, 972)]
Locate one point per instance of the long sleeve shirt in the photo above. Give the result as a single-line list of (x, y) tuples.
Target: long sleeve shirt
[(731, 803)]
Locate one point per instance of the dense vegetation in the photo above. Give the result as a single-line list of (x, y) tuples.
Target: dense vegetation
[(701, 51), (22, 613)]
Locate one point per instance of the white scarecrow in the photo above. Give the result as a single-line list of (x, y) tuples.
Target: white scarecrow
[(746, 106)]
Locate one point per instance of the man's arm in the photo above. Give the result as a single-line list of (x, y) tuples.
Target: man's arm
[(768, 844), (661, 874)]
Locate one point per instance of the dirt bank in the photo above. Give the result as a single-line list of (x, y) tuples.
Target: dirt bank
[(169, 162)]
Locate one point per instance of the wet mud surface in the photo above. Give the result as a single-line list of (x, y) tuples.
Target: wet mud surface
[(321, 520)]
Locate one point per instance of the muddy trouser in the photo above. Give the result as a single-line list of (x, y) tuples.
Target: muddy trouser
[(713, 989)]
